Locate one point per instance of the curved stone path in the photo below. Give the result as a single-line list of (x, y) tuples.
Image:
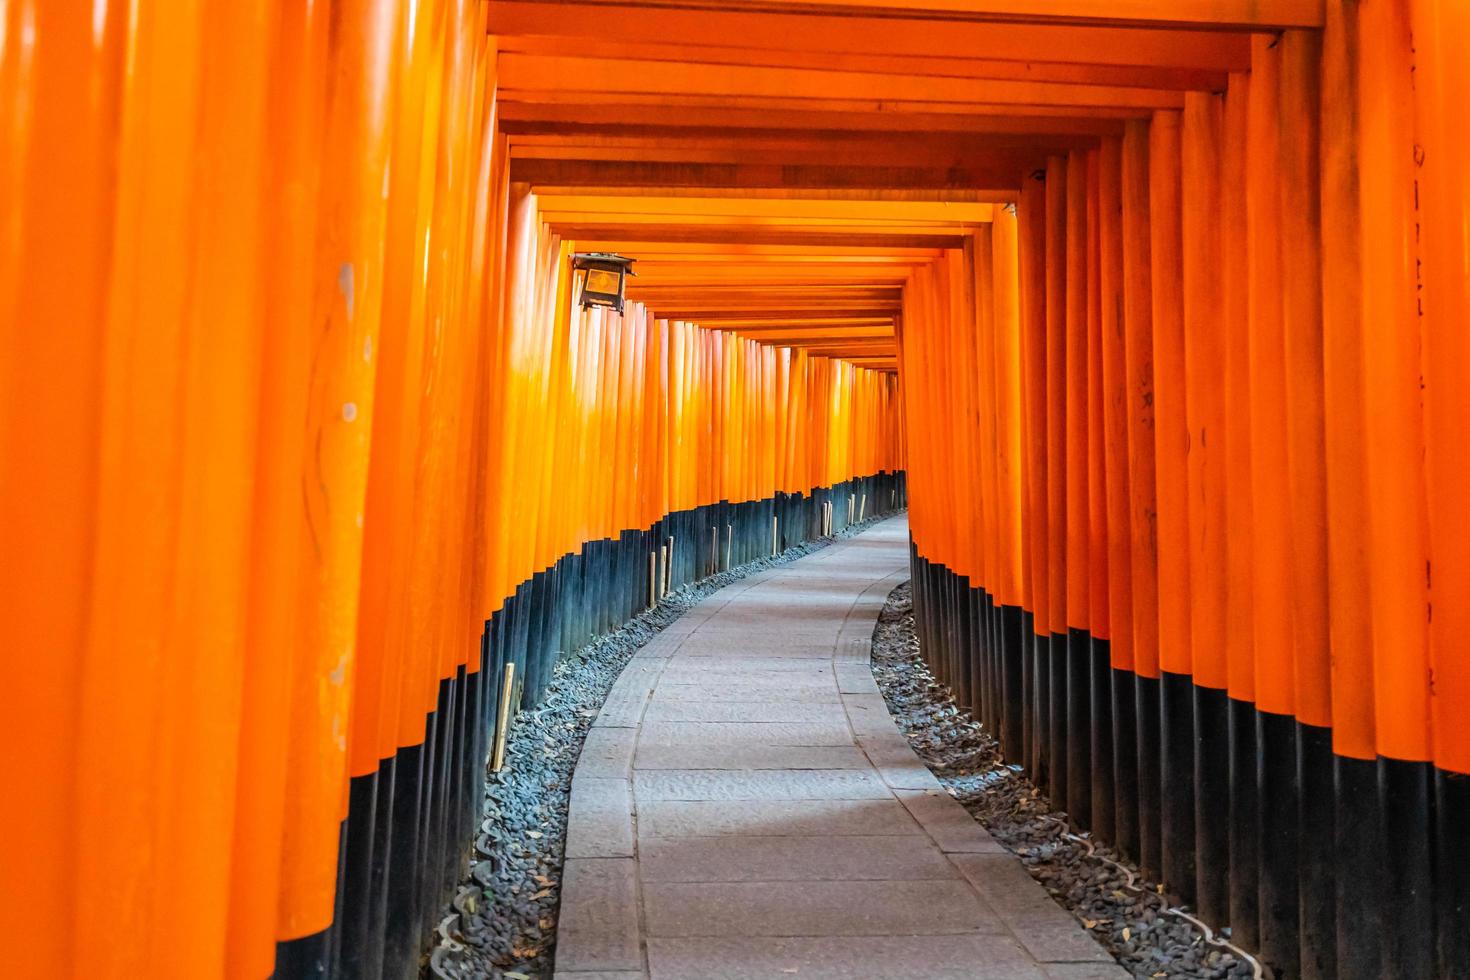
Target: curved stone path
[(744, 807)]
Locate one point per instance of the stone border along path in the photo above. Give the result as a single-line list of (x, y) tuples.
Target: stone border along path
[(744, 806)]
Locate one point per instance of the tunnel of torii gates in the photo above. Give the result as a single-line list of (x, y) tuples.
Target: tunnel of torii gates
[(1155, 313)]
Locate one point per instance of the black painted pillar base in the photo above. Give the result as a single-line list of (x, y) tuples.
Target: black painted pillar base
[(1212, 803)]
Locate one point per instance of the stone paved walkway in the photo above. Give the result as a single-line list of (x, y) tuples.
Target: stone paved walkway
[(744, 807)]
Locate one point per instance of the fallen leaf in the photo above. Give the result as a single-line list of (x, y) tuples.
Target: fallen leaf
[(534, 834), (1127, 934), (1090, 923), (541, 894), (517, 976)]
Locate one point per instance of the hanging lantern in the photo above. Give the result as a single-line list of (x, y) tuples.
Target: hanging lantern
[(604, 277)]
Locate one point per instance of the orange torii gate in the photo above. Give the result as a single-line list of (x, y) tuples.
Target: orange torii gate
[(1158, 306)]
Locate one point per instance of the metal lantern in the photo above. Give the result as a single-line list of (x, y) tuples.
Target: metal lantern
[(604, 277)]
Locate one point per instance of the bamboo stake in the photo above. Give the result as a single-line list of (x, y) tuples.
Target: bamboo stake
[(502, 720)]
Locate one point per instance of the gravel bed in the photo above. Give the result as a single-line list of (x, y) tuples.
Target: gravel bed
[(502, 922), (1125, 912)]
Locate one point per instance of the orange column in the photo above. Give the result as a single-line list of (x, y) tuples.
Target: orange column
[(295, 93), (1235, 309), (1097, 504), (53, 303), (987, 543), (1204, 394), (1170, 422), (1031, 212), (1271, 524), (1057, 178), (1138, 368), (1392, 395), (1442, 83), (1115, 403), (1301, 294), (1075, 398), (1343, 392), (1008, 398)]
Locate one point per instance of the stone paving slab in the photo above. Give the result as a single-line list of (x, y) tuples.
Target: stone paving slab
[(794, 617), (598, 927), (748, 678), (796, 595), (801, 712), (763, 818), (1086, 971), (625, 703), (600, 821), (791, 859), (811, 693), (856, 679), (897, 763), (743, 666), (822, 958), (780, 636), (750, 648), (608, 753), (948, 823), (854, 650), (814, 908), (868, 714), (744, 733), (769, 784), (750, 756), (1047, 931), (744, 807)]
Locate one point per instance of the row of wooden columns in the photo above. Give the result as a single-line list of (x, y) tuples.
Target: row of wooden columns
[(1222, 440)]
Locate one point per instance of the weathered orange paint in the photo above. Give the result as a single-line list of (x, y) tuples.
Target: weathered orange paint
[(1349, 604), (1139, 405), (1202, 145), (1171, 429), (1270, 506), (1074, 399), (1441, 85), (1392, 408)]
